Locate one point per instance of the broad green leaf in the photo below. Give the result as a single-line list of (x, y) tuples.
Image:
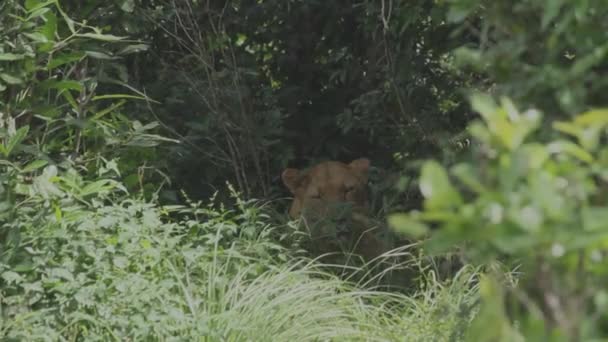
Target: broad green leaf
[(11, 57), (568, 128), (597, 117), (50, 26), (535, 156), (486, 107), (467, 175), (102, 37), (96, 187), (64, 58), (37, 13), (10, 79), (570, 148), (61, 85), (436, 187), (33, 5), (37, 37), (404, 224), (16, 139), (35, 165)]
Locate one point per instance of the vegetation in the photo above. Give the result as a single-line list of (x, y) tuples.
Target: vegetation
[(142, 143)]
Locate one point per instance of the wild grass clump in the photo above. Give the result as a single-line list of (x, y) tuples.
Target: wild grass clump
[(98, 268)]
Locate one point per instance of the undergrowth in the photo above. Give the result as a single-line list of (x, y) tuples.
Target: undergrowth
[(107, 266)]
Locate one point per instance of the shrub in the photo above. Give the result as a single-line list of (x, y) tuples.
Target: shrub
[(537, 206)]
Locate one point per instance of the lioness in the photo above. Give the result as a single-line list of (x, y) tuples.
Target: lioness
[(331, 198)]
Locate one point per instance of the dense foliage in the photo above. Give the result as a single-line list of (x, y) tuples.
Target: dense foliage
[(121, 123)]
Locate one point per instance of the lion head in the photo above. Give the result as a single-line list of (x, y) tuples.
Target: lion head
[(327, 185), (332, 199)]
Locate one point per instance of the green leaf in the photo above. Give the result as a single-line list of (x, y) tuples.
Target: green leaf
[(110, 109), (128, 6), (133, 49), (102, 37), (436, 187), (404, 224), (10, 79), (64, 58), (598, 117), (570, 148), (37, 13), (11, 57), (118, 96), (492, 323), (37, 37), (50, 26), (16, 139), (551, 11), (68, 96), (100, 55), (35, 165), (595, 219), (61, 85), (568, 128), (67, 19), (485, 106), (33, 5), (467, 175), (96, 187), (460, 10)]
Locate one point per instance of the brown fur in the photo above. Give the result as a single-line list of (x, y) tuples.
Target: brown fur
[(332, 196)]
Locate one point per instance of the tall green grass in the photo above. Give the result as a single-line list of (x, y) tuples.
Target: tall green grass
[(97, 271)]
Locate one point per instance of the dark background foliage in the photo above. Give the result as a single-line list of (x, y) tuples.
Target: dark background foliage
[(107, 103), (252, 87)]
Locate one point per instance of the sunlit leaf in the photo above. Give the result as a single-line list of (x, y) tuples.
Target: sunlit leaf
[(435, 186), (570, 148), (486, 107), (404, 224), (11, 57)]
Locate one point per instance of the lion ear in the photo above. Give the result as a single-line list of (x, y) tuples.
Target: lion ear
[(291, 179), (361, 166)]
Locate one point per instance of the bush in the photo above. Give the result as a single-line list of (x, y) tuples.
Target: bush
[(537, 206)]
